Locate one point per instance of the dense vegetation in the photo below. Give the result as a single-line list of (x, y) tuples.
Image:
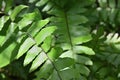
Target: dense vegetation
[(59, 40)]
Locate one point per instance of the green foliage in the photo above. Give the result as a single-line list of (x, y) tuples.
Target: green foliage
[(59, 40)]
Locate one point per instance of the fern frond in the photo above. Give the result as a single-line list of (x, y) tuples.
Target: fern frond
[(113, 38), (70, 28)]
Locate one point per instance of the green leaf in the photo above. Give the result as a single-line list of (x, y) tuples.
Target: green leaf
[(104, 15), (32, 1), (110, 78), (82, 77), (36, 26), (83, 49), (54, 76), (83, 69), (41, 58), (112, 57), (68, 53), (28, 43), (100, 32), (103, 72), (10, 32), (3, 20), (103, 3), (31, 54), (76, 19), (5, 55), (27, 19), (2, 38), (41, 2), (113, 38), (1, 4), (62, 63), (55, 53), (38, 14), (41, 36), (116, 61), (44, 71), (81, 39), (47, 7), (47, 43), (83, 60), (75, 10), (8, 5), (112, 3), (16, 11), (67, 74)]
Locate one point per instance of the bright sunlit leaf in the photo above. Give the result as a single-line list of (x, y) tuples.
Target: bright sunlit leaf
[(16, 11), (28, 43)]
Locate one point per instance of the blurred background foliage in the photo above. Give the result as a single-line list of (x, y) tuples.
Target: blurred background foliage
[(59, 40)]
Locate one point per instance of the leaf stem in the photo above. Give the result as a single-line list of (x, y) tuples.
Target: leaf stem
[(52, 64), (68, 31), (47, 57), (69, 35)]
